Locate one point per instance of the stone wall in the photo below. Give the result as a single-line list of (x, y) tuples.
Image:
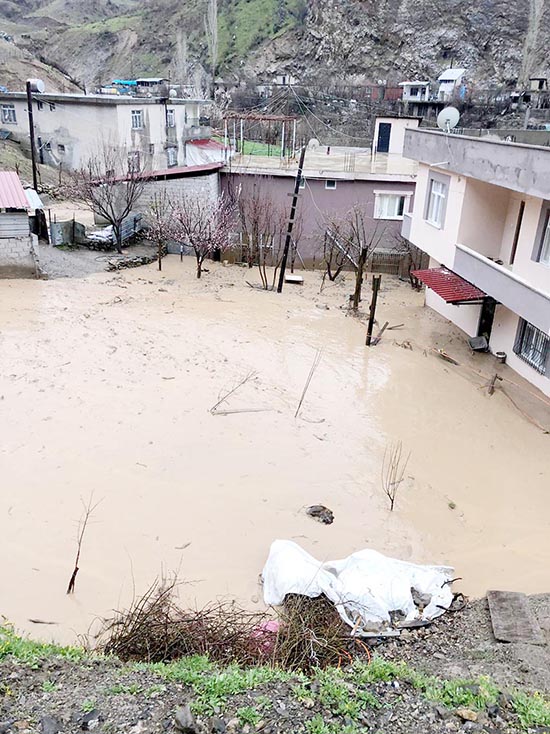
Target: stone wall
[(18, 257)]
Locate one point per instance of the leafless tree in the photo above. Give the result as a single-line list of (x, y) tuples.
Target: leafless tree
[(350, 240), (393, 470), (211, 29), (111, 183), (159, 222), (82, 525), (204, 225), (263, 226)]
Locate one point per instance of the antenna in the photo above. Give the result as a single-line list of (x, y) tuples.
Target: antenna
[(448, 119)]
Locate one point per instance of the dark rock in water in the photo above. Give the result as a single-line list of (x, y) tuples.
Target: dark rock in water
[(185, 721), (49, 725), (321, 513)]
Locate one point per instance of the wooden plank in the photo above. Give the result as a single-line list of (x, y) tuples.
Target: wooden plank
[(512, 618), (298, 279)]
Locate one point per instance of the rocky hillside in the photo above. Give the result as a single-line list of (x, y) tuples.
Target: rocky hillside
[(351, 40)]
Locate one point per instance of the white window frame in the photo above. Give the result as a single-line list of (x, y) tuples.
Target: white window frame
[(438, 192), (172, 156), (381, 211), (171, 118), (330, 181), (544, 252), (137, 119), (9, 115)]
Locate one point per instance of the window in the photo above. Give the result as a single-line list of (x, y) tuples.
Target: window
[(172, 156), (60, 148), (8, 114), (170, 118), (435, 213), (134, 161), (414, 92), (151, 149), (532, 346), (544, 251), (330, 184), (389, 206), (137, 119)]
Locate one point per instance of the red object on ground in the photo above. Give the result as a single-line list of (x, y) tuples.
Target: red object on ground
[(448, 285)]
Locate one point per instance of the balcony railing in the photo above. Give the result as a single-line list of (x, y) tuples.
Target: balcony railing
[(504, 286)]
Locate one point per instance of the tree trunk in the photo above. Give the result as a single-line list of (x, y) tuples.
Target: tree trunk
[(118, 238), (160, 255), (359, 278), (199, 266)]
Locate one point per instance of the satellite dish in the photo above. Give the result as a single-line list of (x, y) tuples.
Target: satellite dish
[(173, 93), (313, 144), (37, 85), (448, 119)]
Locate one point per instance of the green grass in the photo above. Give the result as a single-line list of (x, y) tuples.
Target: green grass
[(532, 709), (112, 25), (31, 652), (88, 706), (48, 686), (248, 715)]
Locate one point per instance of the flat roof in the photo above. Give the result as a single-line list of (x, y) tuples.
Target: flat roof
[(451, 75), (407, 84), (343, 163), (98, 99)]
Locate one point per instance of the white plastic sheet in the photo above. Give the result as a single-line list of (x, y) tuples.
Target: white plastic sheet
[(374, 595)]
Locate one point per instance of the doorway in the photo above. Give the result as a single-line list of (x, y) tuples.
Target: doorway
[(384, 133), (487, 317)]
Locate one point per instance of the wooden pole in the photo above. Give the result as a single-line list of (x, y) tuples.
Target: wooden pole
[(288, 239), (375, 288), (31, 133)]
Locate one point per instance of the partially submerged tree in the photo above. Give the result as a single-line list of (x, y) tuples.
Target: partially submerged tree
[(203, 225), (110, 183), (394, 466), (159, 222)]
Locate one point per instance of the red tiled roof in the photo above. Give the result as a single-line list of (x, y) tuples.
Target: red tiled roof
[(448, 285), (12, 193), (208, 143)]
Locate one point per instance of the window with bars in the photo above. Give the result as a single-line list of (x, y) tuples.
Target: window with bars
[(170, 118), (137, 119), (172, 156), (544, 252), (8, 114), (532, 346), (389, 206), (435, 213)]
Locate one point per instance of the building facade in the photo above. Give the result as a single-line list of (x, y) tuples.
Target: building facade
[(482, 214), (153, 132)]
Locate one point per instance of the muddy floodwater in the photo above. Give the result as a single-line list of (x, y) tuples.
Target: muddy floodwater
[(105, 389)]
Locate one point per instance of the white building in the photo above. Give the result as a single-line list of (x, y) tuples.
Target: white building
[(482, 214), (450, 83), (415, 91), (389, 133), (70, 128)]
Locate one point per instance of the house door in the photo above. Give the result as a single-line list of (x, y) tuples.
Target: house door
[(384, 132), (487, 317)]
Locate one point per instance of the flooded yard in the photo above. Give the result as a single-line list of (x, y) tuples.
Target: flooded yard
[(105, 393)]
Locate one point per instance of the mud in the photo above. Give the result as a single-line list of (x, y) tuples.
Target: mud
[(105, 390)]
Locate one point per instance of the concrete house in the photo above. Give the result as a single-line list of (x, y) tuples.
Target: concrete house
[(70, 128), (415, 91), (451, 84), (18, 255), (482, 214)]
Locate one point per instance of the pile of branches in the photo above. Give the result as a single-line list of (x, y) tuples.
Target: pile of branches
[(307, 634)]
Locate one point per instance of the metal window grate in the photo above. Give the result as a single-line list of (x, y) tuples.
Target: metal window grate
[(532, 346)]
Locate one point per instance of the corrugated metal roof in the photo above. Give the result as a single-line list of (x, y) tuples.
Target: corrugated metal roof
[(12, 193), (448, 285), (34, 200)]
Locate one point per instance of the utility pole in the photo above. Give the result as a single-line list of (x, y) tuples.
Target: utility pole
[(288, 239), (30, 85)]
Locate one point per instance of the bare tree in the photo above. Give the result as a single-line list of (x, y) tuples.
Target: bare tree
[(211, 29), (350, 240), (263, 224), (204, 225), (159, 222), (393, 470), (111, 183), (82, 525)]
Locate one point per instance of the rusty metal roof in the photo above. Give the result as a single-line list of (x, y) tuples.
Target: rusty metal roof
[(448, 285), (12, 193)]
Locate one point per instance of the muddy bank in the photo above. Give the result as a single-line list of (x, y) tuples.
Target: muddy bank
[(107, 383)]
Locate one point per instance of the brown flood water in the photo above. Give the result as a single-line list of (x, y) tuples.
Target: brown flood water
[(105, 388)]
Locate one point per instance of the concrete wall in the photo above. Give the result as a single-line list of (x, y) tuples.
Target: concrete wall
[(204, 187), (503, 336), (14, 224), (484, 212), (317, 205), (18, 257)]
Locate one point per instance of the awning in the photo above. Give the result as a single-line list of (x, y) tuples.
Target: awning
[(449, 286)]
